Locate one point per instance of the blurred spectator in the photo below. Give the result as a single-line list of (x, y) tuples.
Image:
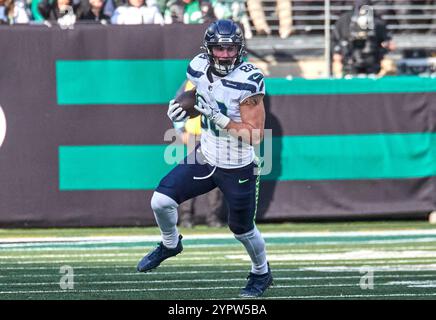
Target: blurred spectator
[(283, 10), (236, 11), (110, 6), (12, 12), (136, 12), (405, 11), (198, 11), (313, 14), (432, 22), (257, 15), (119, 3), (174, 11), (92, 11), (207, 11), (190, 11), (162, 5), (359, 41), (57, 9), (36, 15)]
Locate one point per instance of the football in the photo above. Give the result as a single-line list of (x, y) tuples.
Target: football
[(187, 100)]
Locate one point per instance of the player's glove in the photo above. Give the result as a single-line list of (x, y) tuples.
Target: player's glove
[(175, 112), (212, 114)]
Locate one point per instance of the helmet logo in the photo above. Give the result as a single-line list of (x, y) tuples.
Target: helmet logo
[(225, 40)]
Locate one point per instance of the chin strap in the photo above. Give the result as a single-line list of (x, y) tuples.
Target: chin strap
[(220, 68)]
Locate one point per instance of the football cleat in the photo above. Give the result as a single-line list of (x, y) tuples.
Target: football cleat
[(154, 258), (257, 284)]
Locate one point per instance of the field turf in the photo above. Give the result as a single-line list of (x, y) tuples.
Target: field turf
[(361, 260)]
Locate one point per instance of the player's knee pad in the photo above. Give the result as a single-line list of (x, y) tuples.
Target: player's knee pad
[(161, 203), (239, 229), (243, 235)]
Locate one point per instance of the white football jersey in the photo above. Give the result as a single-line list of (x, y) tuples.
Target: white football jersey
[(225, 93)]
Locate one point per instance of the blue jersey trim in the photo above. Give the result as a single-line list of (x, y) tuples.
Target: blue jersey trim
[(262, 85), (193, 73)]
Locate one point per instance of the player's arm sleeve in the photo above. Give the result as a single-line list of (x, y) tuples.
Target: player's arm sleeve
[(254, 85)]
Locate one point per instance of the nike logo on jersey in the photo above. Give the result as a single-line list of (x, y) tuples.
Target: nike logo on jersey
[(243, 181), (257, 77)]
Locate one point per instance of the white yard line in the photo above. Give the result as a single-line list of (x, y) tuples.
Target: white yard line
[(415, 283), (196, 272), (343, 296), (167, 289), (383, 268), (282, 261), (139, 245), (173, 265), (215, 288), (87, 260), (143, 281), (115, 290), (148, 281), (132, 251), (103, 239), (276, 271), (187, 252), (346, 256)]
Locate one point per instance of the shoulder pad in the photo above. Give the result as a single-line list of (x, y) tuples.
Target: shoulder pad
[(247, 77), (198, 66)]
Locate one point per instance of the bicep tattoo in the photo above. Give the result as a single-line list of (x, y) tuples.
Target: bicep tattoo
[(253, 100)]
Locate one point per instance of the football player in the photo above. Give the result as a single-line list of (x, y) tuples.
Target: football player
[(230, 97)]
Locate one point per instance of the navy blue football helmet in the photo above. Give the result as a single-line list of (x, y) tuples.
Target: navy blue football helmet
[(223, 33)]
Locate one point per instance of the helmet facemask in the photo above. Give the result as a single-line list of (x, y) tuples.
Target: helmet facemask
[(224, 58)]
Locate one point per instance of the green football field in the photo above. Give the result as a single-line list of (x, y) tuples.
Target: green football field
[(361, 260)]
